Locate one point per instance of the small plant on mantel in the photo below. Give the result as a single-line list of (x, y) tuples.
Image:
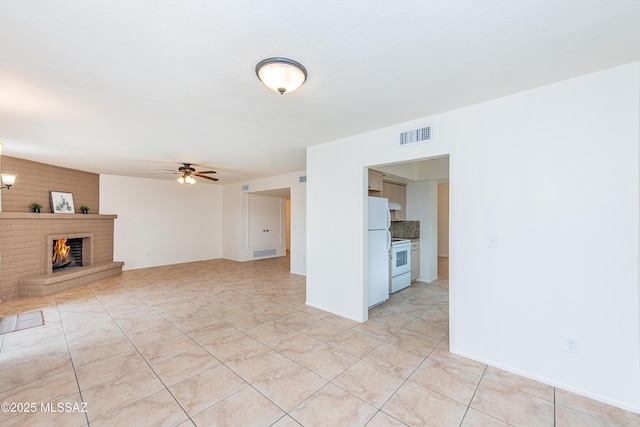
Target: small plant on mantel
[(84, 209), (35, 207)]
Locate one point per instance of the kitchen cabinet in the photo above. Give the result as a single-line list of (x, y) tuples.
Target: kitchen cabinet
[(375, 183), (415, 260), (396, 193), (401, 199), (265, 218)]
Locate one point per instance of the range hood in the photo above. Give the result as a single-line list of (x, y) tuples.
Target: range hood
[(393, 206)]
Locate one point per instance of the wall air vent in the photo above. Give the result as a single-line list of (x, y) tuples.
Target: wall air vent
[(303, 178), (245, 187), (415, 136)]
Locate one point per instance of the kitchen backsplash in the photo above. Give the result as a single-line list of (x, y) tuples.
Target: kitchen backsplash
[(405, 229)]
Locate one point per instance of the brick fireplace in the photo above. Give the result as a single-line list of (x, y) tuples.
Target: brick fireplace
[(27, 241), (26, 238)]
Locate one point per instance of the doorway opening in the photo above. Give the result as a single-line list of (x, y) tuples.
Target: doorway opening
[(269, 227), (421, 189)]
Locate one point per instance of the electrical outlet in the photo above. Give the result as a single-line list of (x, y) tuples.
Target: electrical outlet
[(572, 345)]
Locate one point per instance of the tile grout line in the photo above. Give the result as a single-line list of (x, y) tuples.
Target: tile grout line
[(73, 366), (425, 358), (189, 417), (3, 335), (472, 396), (401, 384), (222, 363), (251, 384), (136, 349), (555, 409)]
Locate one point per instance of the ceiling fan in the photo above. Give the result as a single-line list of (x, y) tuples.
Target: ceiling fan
[(187, 173)]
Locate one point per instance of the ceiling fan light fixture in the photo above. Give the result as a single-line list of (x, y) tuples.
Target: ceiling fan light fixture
[(188, 173), (281, 74), (186, 179)]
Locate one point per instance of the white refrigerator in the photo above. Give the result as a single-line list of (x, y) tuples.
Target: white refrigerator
[(379, 244)]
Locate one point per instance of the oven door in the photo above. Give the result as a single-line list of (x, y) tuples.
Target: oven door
[(400, 259)]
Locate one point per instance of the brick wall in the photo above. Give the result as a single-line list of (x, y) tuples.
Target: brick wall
[(35, 180)]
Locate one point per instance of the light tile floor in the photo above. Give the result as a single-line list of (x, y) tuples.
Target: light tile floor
[(220, 343)]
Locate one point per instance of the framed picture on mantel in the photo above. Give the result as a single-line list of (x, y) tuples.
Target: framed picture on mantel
[(61, 202)]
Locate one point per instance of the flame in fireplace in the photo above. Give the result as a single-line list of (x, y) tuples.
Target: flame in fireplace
[(61, 251)]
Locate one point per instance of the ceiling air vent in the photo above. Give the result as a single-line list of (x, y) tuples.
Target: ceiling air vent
[(415, 136)]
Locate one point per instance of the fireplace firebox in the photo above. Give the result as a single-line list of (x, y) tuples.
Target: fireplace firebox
[(67, 253)]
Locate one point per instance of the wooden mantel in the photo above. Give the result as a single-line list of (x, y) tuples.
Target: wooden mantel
[(71, 217)]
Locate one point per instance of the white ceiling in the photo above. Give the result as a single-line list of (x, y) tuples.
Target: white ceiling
[(131, 87), (434, 169)]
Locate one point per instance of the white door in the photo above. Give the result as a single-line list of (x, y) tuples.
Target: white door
[(265, 219)]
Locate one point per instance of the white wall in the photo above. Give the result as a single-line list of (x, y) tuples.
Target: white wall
[(443, 220), (162, 222), (235, 214), (422, 205), (552, 174)]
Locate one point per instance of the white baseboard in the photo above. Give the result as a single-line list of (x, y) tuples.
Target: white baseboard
[(333, 312), (423, 280), (613, 402)]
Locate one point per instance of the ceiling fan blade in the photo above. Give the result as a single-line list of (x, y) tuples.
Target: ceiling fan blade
[(207, 172), (205, 177)]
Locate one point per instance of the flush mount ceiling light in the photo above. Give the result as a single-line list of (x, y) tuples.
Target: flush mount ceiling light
[(281, 74)]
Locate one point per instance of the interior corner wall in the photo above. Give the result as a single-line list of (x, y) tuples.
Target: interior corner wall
[(235, 218), (550, 178), (161, 222), (288, 223), (422, 205), (443, 220)]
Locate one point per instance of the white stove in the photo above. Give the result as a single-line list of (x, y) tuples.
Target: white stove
[(400, 270)]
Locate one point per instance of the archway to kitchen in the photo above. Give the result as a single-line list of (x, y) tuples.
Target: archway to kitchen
[(418, 192)]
